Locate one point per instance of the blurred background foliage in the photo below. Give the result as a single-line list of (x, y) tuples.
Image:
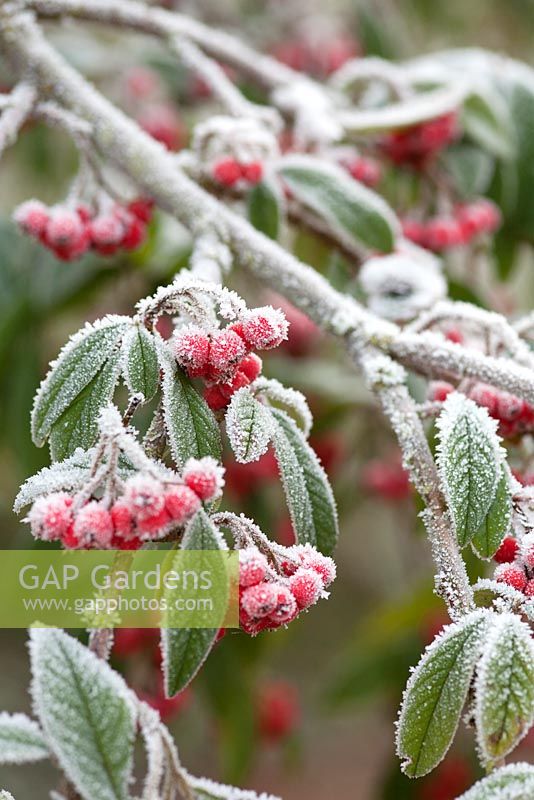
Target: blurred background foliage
[(307, 712)]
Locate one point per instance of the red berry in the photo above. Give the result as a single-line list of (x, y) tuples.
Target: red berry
[(141, 82), (106, 232), (264, 328), (141, 208), (507, 550), (306, 587), (252, 567), (123, 523), (93, 524), (286, 607), (250, 366), (66, 235), (226, 351), (454, 335), (511, 574), (364, 170), (442, 233), (260, 600), (131, 640), (32, 216), (192, 350), (239, 381), (486, 396), (278, 710), (204, 477), (84, 213), (414, 230), (144, 496), (163, 123), (252, 172), (227, 171), (438, 391), (527, 550), (215, 399), (154, 525), (529, 588), (323, 565), (135, 232), (181, 503), (50, 517), (386, 478), (509, 407)]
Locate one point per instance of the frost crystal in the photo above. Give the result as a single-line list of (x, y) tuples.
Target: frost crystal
[(401, 285), (206, 788), (382, 371), (246, 139)]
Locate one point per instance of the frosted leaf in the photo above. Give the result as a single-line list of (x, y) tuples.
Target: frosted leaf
[(514, 782), (187, 296), (315, 122), (277, 394), (469, 462), (248, 427), (76, 366), (87, 712), (192, 430), (310, 500), (497, 523), (64, 475), (436, 693), (139, 362), (245, 139), (206, 789), (504, 689), (357, 214), (21, 740), (400, 286)]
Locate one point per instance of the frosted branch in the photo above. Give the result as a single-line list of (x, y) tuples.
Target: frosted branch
[(17, 110)]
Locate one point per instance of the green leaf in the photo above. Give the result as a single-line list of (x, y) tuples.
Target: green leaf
[(436, 694), (356, 213), (141, 368), (192, 429), (471, 168), (21, 740), (309, 497), (497, 523), (248, 425), (514, 782), (87, 712), (186, 649), (77, 365), (469, 461), (78, 425), (206, 789), (264, 209), (504, 690), (486, 119)]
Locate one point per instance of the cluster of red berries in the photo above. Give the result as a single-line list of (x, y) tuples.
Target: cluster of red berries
[(414, 146), (364, 170), (515, 559), (514, 415), (469, 221), (69, 233), (305, 55), (147, 509), (229, 172), (223, 358), (269, 597)]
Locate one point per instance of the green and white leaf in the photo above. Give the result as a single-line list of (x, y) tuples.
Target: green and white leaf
[(436, 694), (264, 208), (514, 782), (21, 740), (357, 214), (192, 429), (489, 536), (469, 463), (289, 399), (310, 500), (248, 426), (77, 365), (504, 689), (87, 712), (185, 649), (206, 789), (78, 425), (486, 118), (140, 362)]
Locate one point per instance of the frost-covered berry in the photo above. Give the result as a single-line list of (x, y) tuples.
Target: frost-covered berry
[(415, 145), (164, 124), (264, 328), (512, 575), (66, 234), (529, 589), (239, 381), (509, 407), (365, 170), (181, 503), (106, 232), (215, 399), (141, 208), (226, 171), (414, 230), (507, 551), (144, 496), (226, 351), (260, 600), (286, 608), (93, 524), (204, 476), (123, 522), (251, 366), (323, 565), (50, 517), (192, 350), (438, 391), (306, 586), (252, 567), (32, 217), (252, 172), (134, 232), (527, 549), (152, 525), (442, 233), (486, 396)]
